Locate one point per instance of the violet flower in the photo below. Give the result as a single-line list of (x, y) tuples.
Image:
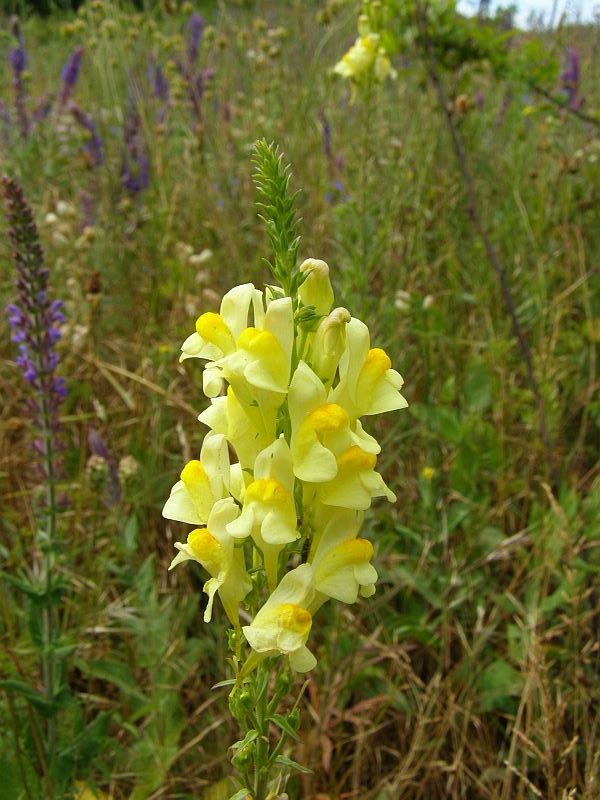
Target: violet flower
[(196, 29), (18, 62), (93, 147), (195, 79), (135, 173), (35, 321), (160, 87), (570, 78), (69, 76)]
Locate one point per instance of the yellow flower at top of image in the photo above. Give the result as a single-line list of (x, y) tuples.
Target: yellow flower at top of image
[(366, 58)]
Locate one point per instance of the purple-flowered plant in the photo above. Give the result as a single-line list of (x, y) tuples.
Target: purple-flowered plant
[(195, 29), (35, 321), (93, 147), (26, 120), (18, 62), (570, 78), (69, 76), (195, 79), (135, 173), (93, 152), (160, 87)]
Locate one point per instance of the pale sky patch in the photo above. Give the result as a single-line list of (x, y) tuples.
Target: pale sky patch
[(584, 10)]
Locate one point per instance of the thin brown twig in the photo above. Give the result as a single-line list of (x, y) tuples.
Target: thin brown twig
[(493, 257), (576, 112)]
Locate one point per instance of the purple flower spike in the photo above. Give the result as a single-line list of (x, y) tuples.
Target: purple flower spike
[(160, 87), (570, 78), (196, 29), (135, 173), (93, 148), (18, 62), (69, 75), (34, 319), (18, 57)]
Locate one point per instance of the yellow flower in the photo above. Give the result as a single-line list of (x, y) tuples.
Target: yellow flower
[(320, 429), (246, 429), (269, 512), (216, 334), (428, 473), (283, 624), (202, 483), (368, 384), (215, 550), (356, 483), (340, 561), (360, 58)]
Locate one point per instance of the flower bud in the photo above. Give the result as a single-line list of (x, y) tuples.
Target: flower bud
[(284, 682), (329, 343), (316, 290), (364, 26)]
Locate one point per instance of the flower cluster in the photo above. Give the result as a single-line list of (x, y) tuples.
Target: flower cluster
[(366, 59), (287, 398), (35, 320)]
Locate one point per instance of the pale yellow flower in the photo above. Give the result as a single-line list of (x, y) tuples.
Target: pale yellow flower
[(356, 482), (216, 334), (360, 58), (202, 483), (368, 384), (320, 429), (341, 561), (247, 429), (283, 624), (269, 512), (215, 550)]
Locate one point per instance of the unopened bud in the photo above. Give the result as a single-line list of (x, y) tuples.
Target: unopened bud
[(329, 344), (364, 26), (316, 290)]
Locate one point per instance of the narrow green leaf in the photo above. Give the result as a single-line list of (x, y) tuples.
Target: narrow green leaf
[(284, 761), (283, 723)]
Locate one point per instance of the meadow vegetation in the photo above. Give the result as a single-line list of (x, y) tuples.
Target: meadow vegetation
[(473, 672)]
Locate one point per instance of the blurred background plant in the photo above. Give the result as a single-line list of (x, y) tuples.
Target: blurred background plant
[(475, 671)]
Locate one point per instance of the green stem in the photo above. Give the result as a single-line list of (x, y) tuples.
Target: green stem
[(363, 268), (261, 756), (47, 615)]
